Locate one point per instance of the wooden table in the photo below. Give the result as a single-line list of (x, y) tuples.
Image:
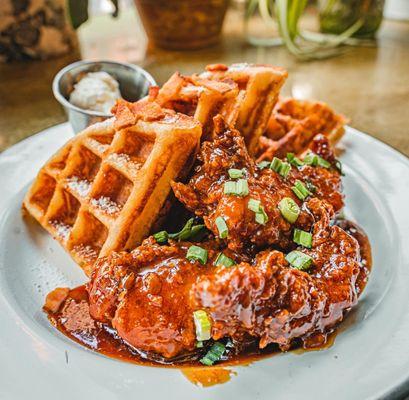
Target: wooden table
[(368, 84)]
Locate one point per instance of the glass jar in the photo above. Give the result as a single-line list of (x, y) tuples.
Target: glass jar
[(261, 29), (182, 24), (338, 15)]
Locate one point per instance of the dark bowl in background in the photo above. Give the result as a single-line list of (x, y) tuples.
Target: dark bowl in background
[(182, 24)]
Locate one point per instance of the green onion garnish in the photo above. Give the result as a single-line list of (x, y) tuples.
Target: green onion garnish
[(289, 209), (310, 186), (276, 164), (242, 188), (161, 237), (214, 354), (189, 231), (300, 190), (282, 168), (254, 205), (310, 159), (223, 260), (261, 216), (302, 238), (197, 253), (199, 345), (323, 163), (236, 173), (315, 160), (263, 164), (239, 188), (299, 260), (203, 325), (294, 160), (230, 187), (222, 227), (285, 169), (338, 166)]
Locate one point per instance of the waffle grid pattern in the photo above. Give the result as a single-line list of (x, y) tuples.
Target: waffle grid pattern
[(91, 193)]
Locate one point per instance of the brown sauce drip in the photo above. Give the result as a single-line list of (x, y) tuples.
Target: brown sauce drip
[(73, 320), (71, 317)]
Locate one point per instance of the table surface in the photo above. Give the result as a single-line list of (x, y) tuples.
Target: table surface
[(370, 85)]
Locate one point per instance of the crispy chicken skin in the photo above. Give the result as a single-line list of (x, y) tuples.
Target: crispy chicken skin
[(204, 194), (150, 294)]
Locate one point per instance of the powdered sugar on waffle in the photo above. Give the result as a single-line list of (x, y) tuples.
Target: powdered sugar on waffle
[(120, 159), (80, 186), (62, 230), (86, 252), (106, 205)]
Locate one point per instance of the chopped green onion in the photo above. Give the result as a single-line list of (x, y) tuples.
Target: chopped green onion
[(289, 209), (238, 188), (294, 160), (299, 260), (197, 232), (263, 164), (242, 188), (222, 227), (197, 253), (282, 168), (223, 260), (276, 164), (338, 166), (285, 169), (236, 173), (189, 231), (214, 354), (161, 237), (254, 205), (311, 158), (323, 163), (230, 187), (261, 216), (300, 190), (315, 160), (302, 238), (310, 186), (199, 345), (203, 325)]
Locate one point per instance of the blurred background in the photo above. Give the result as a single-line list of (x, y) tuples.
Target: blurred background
[(352, 54)]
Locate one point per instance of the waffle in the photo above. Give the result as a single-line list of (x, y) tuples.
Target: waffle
[(294, 123), (244, 95), (259, 87), (105, 188)]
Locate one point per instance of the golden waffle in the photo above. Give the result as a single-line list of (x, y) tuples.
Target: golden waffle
[(199, 98), (294, 123), (105, 188), (259, 87), (244, 95)]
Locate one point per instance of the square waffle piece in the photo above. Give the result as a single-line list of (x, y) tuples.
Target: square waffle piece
[(293, 125), (243, 94), (105, 188)]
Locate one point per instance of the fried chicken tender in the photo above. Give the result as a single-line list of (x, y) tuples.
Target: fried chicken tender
[(149, 295), (204, 194)]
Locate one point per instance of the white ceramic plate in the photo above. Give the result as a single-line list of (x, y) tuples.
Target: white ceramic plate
[(370, 356)]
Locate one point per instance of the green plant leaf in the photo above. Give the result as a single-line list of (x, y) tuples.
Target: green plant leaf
[(78, 12)]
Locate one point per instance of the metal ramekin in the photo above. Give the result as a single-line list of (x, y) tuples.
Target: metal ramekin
[(134, 83)]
